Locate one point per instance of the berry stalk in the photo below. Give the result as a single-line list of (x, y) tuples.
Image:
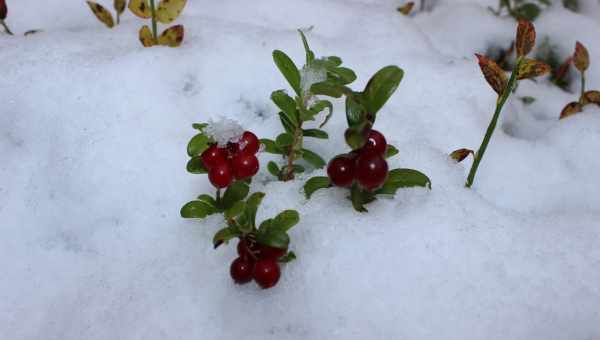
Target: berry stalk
[(6, 29)]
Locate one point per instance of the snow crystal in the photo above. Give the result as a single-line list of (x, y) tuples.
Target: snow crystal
[(224, 130), (311, 74)]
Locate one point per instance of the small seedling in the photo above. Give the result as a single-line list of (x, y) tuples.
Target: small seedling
[(521, 9), (104, 14), (581, 61), (304, 107), (3, 15), (228, 156), (166, 12), (364, 170), (524, 69)]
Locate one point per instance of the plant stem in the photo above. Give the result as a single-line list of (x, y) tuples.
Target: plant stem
[(582, 85), (118, 18), (219, 197), (6, 29), (290, 163), (490, 130), (154, 25)]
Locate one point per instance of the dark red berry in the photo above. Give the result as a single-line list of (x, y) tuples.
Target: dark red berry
[(241, 270), (375, 142), (341, 170), (244, 165), (267, 252), (213, 156), (249, 143), (371, 170), (266, 273), (220, 175), (232, 149), (244, 249)]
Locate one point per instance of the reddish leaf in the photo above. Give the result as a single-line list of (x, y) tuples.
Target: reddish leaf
[(460, 154), (493, 73), (581, 58), (530, 68), (525, 38), (591, 97), (571, 109)]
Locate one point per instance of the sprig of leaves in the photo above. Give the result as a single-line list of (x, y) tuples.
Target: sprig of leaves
[(166, 12), (522, 9), (581, 61), (104, 14)]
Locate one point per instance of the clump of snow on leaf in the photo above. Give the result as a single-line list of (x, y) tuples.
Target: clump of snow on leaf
[(224, 130), (312, 74)]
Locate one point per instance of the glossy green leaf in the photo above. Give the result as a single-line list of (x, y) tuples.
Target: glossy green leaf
[(390, 151), (199, 126), (271, 147), (272, 237), (287, 258), (355, 112), (197, 209), (381, 87), (284, 140), (195, 166), (403, 178), (345, 74), (235, 210), (312, 158), (327, 88), (285, 220), (235, 192), (252, 204), (310, 55), (314, 184), (289, 70), (225, 235), (198, 144), (273, 169), (286, 104), (315, 133)]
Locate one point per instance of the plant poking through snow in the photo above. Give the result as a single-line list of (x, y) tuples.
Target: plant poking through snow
[(104, 14), (304, 107), (364, 170), (521, 9), (166, 12), (525, 69), (3, 15), (581, 61), (228, 155)]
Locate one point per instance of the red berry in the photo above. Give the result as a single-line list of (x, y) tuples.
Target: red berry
[(375, 142), (213, 156), (244, 248), (249, 143), (266, 273), (341, 170), (267, 252), (232, 149), (371, 170), (220, 175), (244, 165), (241, 270)]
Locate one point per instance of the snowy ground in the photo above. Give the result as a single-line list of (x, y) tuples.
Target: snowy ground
[(93, 130)]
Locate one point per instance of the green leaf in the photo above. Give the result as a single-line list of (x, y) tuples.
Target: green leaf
[(271, 147), (390, 151), (225, 235), (358, 201), (284, 140), (286, 220), (195, 166), (289, 70), (199, 127), (273, 169), (336, 61), (312, 158), (345, 74), (236, 210), (310, 55), (314, 184), (287, 105), (252, 204), (381, 87), (298, 168), (315, 133), (197, 209), (235, 192), (527, 100), (354, 138), (320, 106), (403, 178), (529, 11), (198, 144), (327, 88), (272, 237), (355, 112), (289, 257)]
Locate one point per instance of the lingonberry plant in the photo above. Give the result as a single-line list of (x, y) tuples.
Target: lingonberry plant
[(521, 9), (364, 169), (3, 15), (304, 107), (104, 14), (166, 12), (228, 155), (524, 69), (581, 61)]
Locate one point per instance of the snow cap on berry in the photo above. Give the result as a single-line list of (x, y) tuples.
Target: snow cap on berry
[(224, 130)]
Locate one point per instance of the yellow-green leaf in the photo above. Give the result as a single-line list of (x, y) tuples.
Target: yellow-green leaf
[(146, 36), (590, 97), (172, 36), (102, 14), (169, 10), (531, 68), (407, 8), (120, 6), (140, 8)]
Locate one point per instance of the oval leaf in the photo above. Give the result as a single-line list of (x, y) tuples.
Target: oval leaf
[(102, 14), (172, 36), (286, 220), (460, 154), (381, 87), (530, 68), (403, 178), (273, 238), (289, 70), (146, 36), (492, 73), (235, 192), (314, 184), (169, 10), (312, 158), (225, 235), (315, 133), (287, 105), (140, 8), (197, 209), (591, 97), (581, 57), (571, 109), (195, 166), (525, 38), (273, 169), (198, 144)]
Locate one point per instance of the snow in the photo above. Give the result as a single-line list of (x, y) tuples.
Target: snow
[(93, 134)]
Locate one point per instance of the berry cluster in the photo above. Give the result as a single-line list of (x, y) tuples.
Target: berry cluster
[(235, 160), (365, 166), (258, 262)]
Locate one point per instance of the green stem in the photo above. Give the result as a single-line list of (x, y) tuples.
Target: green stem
[(118, 18), (154, 25), (6, 29), (490, 130), (291, 155), (219, 198), (582, 85)]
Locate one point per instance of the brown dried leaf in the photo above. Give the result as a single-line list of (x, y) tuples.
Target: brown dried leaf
[(169, 10), (172, 36), (407, 8), (530, 68), (460, 154), (591, 97), (493, 73), (581, 58), (146, 36), (102, 14), (120, 6), (571, 109), (562, 70), (525, 38), (140, 8)]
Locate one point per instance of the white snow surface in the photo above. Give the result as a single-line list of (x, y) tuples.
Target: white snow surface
[(93, 133)]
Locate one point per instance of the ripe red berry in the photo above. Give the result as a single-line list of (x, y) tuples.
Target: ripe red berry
[(213, 156), (371, 170), (341, 170), (249, 143), (232, 149), (244, 165), (266, 273), (241, 270), (375, 142), (267, 252), (220, 175), (244, 248)]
